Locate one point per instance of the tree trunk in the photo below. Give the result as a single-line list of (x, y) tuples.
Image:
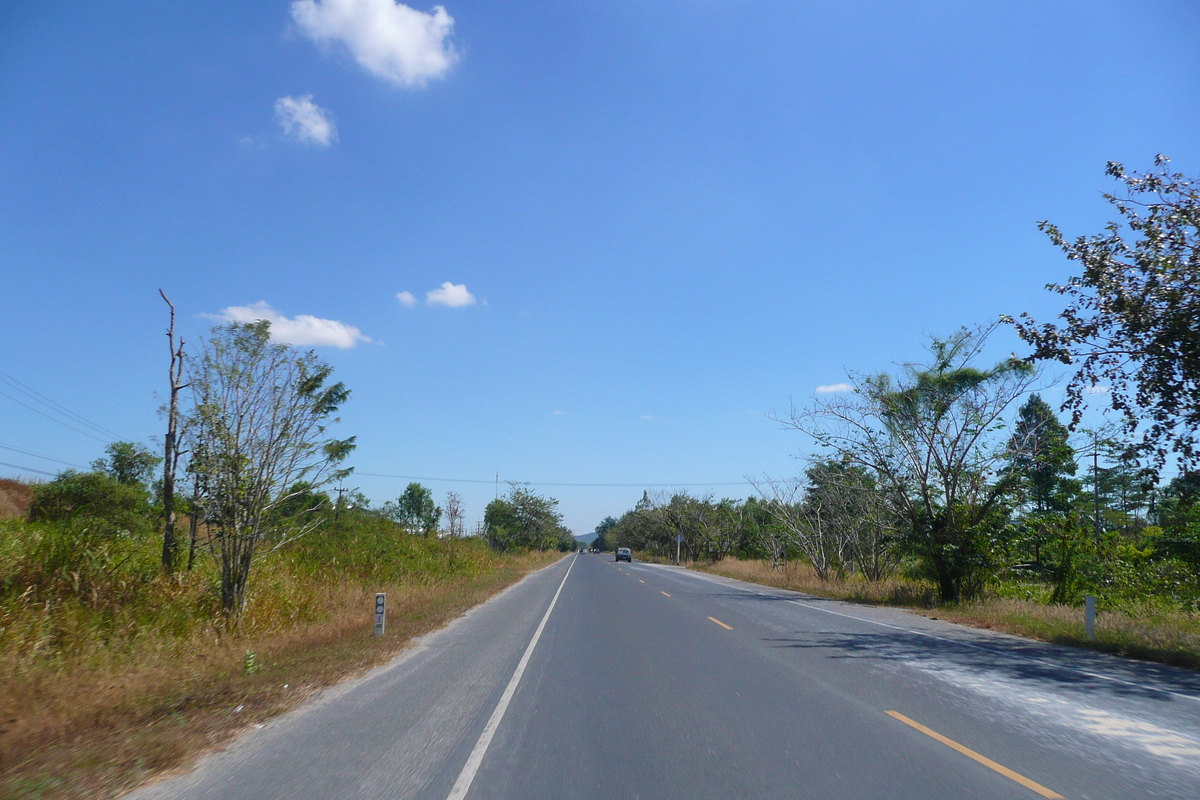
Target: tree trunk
[(171, 445)]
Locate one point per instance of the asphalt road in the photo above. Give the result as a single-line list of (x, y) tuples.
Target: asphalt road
[(646, 681)]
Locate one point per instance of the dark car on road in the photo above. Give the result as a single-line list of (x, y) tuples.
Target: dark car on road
[(624, 554)]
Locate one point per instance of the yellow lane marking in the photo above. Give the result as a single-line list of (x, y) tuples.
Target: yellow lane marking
[(660, 591), (722, 624), (971, 754)]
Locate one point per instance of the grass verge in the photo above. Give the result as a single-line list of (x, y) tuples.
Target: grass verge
[(88, 727), (1166, 636)]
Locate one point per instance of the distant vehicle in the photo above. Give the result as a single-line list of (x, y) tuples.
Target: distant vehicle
[(624, 554)]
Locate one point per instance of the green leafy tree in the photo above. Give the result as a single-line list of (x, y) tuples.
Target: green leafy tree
[(259, 441), (525, 519), (1041, 461), (928, 436), (1133, 321), (128, 463), (1178, 514), (601, 541), (96, 495), (415, 510)]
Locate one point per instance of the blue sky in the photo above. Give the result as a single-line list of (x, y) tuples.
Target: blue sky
[(672, 217)]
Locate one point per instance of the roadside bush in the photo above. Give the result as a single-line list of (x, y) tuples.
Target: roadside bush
[(90, 494)]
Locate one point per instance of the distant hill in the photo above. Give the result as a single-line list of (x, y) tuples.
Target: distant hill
[(587, 538)]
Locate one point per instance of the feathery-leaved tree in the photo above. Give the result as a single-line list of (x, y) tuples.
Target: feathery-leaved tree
[(258, 435), (928, 437)]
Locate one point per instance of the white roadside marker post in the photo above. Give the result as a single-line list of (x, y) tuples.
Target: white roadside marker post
[(380, 609), (1089, 616)]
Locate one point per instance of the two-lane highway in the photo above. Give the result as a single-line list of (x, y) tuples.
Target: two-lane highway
[(646, 681)]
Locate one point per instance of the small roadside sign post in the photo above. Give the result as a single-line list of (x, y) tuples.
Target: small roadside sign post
[(380, 610), (678, 540), (1089, 616)]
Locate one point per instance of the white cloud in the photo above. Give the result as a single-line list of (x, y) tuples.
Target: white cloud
[(835, 387), (406, 298), (649, 416), (305, 121), (1099, 389), (390, 40), (303, 329), (451, 295), (560, 413)]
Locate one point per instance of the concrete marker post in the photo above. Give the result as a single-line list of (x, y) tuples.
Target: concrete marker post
[(1089, 616), (380, 612)]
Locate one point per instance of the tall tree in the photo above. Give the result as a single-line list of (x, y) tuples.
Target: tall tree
[(1041, 460), (415, 510), (524, 519), (259, 434), (171, 450), (129, 463), (1133, 321), (928, 436)]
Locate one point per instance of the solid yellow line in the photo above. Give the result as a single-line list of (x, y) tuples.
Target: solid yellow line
[(722, 624), (971, 754), (660, 591)]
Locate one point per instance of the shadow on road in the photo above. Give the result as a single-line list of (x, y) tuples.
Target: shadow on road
[(1006, 656)]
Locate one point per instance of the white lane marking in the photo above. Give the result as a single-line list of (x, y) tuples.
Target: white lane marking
[(730, 583), (463, 784)]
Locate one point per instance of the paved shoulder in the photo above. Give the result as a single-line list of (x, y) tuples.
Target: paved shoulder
[(402, 730)]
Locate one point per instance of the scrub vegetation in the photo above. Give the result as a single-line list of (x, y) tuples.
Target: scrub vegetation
[(952, 484), (140, 626)]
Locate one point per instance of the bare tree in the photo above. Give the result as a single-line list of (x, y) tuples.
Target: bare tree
[(258, 429), (455, 514), (171, 450), (807, 526), (861, 514)]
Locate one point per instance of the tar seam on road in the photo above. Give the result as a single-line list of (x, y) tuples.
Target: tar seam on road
[(722, 624), (971, 754), (1034, 659), (463, 784)]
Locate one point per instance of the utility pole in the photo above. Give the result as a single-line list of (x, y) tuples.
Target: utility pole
[(337, 509)]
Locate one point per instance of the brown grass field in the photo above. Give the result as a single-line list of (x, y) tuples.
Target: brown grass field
[(95, 723), (15, 498), (1153, 634)]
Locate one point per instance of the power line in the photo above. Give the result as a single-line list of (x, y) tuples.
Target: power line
[(547, 483), (27, 469), (52, 419), (39, 455), (37, 396)]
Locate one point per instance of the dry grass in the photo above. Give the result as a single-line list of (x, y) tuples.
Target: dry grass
[(801, 577), (1168, 637), (1154, 634), (97, 722), (15, 498)]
